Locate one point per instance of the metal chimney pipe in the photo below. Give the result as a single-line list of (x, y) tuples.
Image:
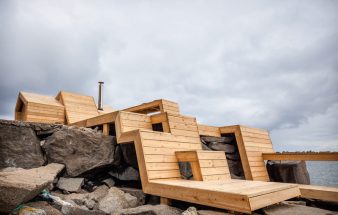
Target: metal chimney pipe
[(100, 105)]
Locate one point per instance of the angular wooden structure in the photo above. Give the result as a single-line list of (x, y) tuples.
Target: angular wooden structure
[(163, 137), (158, 154), (255, 147), (65, 108), (39, 108), (77, 107)]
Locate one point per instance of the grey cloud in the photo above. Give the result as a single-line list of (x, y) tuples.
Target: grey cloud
[(266, 64)]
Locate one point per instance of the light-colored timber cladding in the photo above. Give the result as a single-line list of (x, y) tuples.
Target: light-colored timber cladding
[(255, 146), (319, 192), (77, 107), (160, 105), (206, 165), (252, 143), (39, 108), (183, 126), (160, 173), (207, 130)]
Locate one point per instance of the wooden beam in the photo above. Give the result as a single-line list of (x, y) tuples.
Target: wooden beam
[(105, 129), (165, 201), (319, 192), (307, 156)]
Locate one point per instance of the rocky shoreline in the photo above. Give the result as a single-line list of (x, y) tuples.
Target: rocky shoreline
[(95, 175)]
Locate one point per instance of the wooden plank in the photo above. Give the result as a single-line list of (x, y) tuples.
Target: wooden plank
[(211, 155), (160, 158), (215, 170), (165, 201), (184, 133), (196, 170), (319, 192), (105, 130), (162, 166), (171, 144), (258, 202), (205, 196), (214, 177), (207, 130), (213, 163), (309, 156), (160, 174)]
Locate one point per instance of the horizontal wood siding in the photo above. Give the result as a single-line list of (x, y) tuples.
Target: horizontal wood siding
[(207, 130), (256, 142), (78, 107)]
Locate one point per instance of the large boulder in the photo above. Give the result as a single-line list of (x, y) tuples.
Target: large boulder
[(116, 200), (127, 174), (129, 154), (228, 148), (283, 209), (72, 185), (88, 200), (50, 210), (138, 193), (20, 186), (149, 209), (80, 149), (288, 171), (20, 147)]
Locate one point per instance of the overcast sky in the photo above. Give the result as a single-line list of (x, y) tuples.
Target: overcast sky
[(267, 64)]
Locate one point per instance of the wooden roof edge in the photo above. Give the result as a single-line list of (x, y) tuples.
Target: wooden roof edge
[(25, 99)]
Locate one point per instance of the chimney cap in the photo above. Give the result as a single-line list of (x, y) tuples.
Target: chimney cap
[(101, 82)]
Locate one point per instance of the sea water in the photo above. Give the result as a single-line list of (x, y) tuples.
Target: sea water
[(323, 173)]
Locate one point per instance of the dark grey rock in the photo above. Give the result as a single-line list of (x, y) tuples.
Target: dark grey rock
[(282, 209), (185, 170), (208, 139), (128, 174), (235, 167), (217, 146), (72, 185), (116, 200), (81, 150), (205, 147), (109, 182), (234, 157), (129, 154), (20, 186), (20, 147), (149, 210), (89, 200), (77, 210), (288, 171), (138, 193)]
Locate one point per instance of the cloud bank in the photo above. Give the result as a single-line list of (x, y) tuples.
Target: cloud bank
[(266, 64)]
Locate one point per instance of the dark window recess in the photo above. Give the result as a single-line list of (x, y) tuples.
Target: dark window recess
[(112, 130), (157, 127)]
